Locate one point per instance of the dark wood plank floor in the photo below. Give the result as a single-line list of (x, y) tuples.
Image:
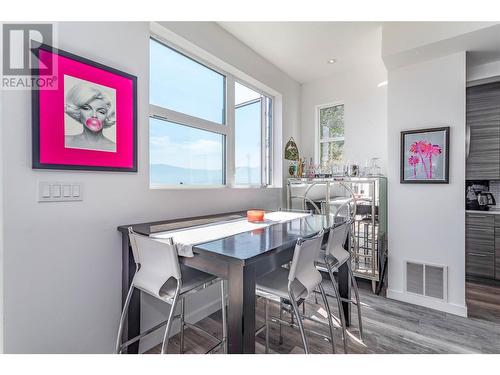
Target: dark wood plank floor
[(389, 327)]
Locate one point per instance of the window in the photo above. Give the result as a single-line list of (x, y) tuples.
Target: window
[(183, 85), (181, 155), (331, 133), (205, 129), (252, 115)]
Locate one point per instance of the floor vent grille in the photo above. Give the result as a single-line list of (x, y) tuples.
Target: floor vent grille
[(426, 280)]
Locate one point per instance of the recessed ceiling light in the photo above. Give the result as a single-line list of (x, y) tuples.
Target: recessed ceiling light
[(332, 61)]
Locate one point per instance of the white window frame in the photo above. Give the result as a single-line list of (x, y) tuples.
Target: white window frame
[(266, 150), (171, 40), (318, 140)]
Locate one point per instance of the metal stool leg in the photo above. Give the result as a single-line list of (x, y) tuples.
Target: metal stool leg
[(166, 337), (299, 321), (224, 314), (281, 318), (341, 310), (122, 320), (358, 304), (266, 322), (182, 325), (327, 307)]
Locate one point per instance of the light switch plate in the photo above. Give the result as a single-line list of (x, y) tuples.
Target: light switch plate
[(76, 191), (66, 189), (54, 191), (45, 191)]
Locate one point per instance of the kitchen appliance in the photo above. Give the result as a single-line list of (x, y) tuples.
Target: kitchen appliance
[(485, 199), (478, 196)]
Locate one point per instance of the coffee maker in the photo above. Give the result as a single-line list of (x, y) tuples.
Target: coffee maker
[(485, 199), (478, 196)]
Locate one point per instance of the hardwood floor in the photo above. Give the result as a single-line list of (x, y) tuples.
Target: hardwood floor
[(483, 300), (390, 327)]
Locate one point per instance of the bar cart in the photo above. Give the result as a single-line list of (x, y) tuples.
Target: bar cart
[(363, 198)]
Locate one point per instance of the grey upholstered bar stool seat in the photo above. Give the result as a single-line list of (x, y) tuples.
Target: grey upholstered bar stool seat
[(332, 256), (296, 283), (159, 274)]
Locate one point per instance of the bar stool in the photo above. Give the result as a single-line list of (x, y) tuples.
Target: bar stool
[(296, 284), (159, 273), (330, 259)]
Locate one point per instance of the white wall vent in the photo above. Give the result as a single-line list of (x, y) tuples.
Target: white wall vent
[(428, 280)]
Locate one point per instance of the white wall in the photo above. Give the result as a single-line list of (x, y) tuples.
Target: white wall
[(427, 222), (484, 72), (62, 261), (365, 112), (403, 36), (405, 43), (1, 233)]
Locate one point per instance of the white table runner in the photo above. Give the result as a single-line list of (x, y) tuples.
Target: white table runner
[(185, 239)]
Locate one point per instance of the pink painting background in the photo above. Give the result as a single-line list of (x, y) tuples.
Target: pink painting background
[(52, 150)]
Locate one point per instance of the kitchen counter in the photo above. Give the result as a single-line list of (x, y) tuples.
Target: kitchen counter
[(494, 211)]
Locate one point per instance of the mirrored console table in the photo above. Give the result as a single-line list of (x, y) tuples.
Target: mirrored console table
[(362, 198)]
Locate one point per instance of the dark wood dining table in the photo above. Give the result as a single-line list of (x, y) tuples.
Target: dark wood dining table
[(240, 259)]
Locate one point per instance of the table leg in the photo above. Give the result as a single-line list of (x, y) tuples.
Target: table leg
[(241, 308), (344, 282), (345, 291), (132, 325)]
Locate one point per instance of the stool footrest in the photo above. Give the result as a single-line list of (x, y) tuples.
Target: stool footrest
[(262, 328), (142, 335), (160, 325), (277, 320), (194, 326), (314, 319)]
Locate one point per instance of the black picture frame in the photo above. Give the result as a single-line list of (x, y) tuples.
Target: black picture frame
[(446, 130), (35, 116)]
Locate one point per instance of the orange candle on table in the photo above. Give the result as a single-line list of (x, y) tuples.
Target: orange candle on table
[(255, 215)]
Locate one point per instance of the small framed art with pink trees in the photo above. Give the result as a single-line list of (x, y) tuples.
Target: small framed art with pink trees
[(425, 156)]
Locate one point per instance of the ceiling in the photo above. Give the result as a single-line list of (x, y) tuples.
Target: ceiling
[(302, 49)]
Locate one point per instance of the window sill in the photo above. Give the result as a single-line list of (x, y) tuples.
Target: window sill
[(185, 187), (210, 187)]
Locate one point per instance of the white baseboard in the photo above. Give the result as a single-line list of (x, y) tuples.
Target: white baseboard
[(460, 310), (193, 316)]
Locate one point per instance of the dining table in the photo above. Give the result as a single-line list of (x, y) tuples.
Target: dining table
[(239, 259)]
